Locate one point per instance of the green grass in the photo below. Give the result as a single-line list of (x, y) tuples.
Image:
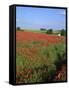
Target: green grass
[(30, 30), (29, 45), (42, 62), (45, 55)]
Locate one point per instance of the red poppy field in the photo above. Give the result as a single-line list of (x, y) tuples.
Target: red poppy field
[(40, 57)]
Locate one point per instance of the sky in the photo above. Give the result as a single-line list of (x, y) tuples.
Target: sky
[(36, 18)]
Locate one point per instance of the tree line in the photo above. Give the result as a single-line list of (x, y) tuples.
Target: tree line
[(50, 31)]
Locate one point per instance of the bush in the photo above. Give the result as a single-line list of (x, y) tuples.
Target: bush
[(18, 28), (42, 29), (50, 31), (63, 32)]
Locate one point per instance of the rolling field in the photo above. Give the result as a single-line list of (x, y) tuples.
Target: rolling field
[(38, 56)]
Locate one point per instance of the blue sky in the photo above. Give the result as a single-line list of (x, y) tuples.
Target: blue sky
[(36, 18)]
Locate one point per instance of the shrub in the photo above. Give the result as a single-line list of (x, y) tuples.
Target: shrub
[(50, 31), (63, 32)]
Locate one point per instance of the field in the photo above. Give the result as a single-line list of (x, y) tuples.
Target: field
[(40, 57)]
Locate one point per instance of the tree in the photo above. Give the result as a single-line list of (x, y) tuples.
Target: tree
[(63, 32), (49, 31), (42, 29), (18, 28)]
